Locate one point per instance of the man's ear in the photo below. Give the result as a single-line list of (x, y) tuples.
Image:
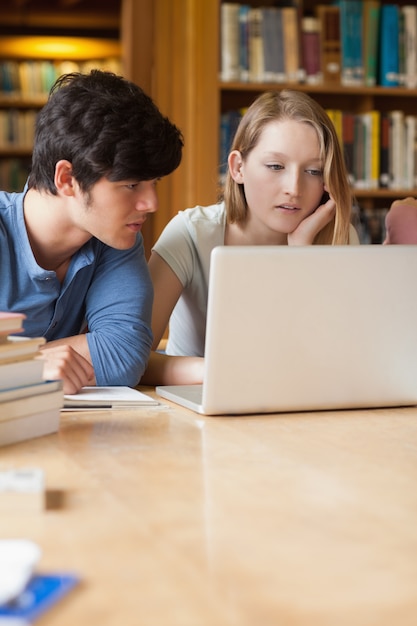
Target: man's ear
[(64, 180), (235, 162)]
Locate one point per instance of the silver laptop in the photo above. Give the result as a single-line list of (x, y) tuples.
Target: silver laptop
[(307, 328)]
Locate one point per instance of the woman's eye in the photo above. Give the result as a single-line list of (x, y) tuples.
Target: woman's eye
[(275, 166), (315, 172)]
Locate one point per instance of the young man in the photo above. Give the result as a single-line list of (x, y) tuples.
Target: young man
[(71, 252)]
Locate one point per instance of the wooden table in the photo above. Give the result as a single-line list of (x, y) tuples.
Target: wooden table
[(172, 519)]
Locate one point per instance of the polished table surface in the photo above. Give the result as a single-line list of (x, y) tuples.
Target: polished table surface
[(173, 519)]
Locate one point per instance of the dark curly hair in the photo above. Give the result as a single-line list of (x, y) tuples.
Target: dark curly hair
[(106, 126)]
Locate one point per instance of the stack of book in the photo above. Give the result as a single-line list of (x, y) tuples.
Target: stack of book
[(29, 405)]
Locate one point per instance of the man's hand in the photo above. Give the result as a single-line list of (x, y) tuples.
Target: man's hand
[(309, 228), (63, 362)]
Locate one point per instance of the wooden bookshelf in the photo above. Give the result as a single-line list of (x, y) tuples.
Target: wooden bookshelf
[(187, 86), (39, 42), (172, 49)]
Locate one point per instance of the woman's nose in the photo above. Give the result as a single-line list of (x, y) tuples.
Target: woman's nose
[(292, 183)]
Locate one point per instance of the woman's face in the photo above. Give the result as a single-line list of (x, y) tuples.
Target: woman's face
[(282, 176)]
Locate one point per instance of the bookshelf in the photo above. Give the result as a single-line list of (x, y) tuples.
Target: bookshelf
[(195, 97), (37, 45), (172, 49)]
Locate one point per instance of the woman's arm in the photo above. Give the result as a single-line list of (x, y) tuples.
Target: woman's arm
[(163, 369)]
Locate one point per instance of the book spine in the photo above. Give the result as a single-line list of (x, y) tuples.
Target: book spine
[(397, 144), (389, 46), (330, 47), (371, 40), (410, 143), (348, 124), (256, 55), (384, 159), (410, 46), (375, 124), (310, 46), (291, 43), (229, 26), (347, 42), (243, 17)]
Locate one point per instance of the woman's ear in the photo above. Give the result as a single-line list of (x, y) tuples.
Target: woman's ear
[(235, 162), (64, 180)]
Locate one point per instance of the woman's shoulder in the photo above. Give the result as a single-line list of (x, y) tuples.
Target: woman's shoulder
[(211, 213)]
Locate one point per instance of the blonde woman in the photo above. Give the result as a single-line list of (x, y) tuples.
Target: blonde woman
[(287, 184)]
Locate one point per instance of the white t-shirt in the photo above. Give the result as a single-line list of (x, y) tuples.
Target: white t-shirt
[(186, 244)]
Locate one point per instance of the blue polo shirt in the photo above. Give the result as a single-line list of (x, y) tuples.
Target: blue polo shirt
[(107, 290)]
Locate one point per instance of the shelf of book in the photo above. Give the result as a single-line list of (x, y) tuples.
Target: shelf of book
[(29, 65), (356, 85)]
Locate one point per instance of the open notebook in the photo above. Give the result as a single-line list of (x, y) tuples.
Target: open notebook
[(307, 328)]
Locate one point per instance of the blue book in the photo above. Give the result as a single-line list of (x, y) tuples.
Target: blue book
[(347, 42), (389, 57), (42, 592)]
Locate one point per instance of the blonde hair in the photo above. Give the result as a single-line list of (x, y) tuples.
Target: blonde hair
[(295, 105)]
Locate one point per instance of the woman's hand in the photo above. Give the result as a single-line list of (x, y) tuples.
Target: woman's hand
[(309, 228)]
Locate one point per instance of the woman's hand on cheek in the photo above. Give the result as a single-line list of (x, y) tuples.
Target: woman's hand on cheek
[(308, 229)]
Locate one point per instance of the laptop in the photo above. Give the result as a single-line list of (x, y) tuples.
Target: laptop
[(307, 328)]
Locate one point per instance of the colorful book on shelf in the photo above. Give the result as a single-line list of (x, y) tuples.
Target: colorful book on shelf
[(410, 151), (116, 397), (351, 32), (389, 61), (256, 50), (359, 153), (229, 121), (347, 40), (371, 12), (348, 140), (243, 16), (384, 152), (409, 13), (336, 117), (375, 147), (310, 46), (273, 45), (397, 149), (229, 40), (291, 33), (330, 46)]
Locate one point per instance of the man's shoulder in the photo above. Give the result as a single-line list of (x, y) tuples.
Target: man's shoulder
[(10, 199)]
